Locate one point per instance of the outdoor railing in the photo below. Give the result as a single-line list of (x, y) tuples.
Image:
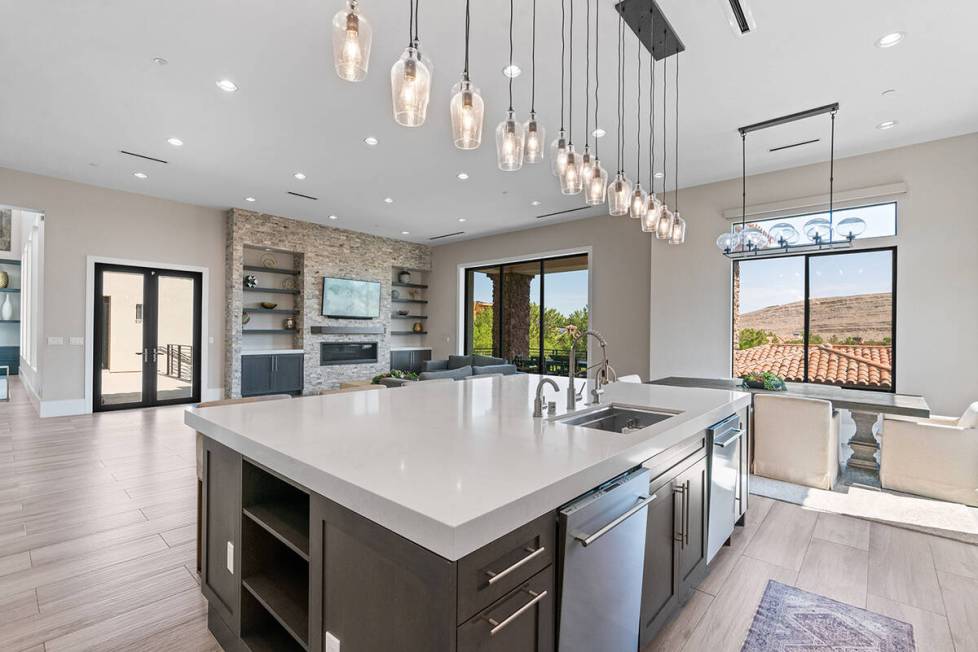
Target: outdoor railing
[(555, 361), (176, 361)]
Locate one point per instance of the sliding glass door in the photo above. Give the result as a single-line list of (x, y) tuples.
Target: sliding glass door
[(147, 337), (824, 318), (520, 310)]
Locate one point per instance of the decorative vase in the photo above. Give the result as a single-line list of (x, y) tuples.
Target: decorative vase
[(404, 276), (395, 295), (289, 323), (7, 310), (418, 327), (245, 318), (4, 279), (250, 281)]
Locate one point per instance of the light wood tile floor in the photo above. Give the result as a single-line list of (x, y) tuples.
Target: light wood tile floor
[(97, 529), (97, 549)]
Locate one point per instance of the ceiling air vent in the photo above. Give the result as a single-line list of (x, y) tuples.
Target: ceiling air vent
[(143, 156), (804, 142), (569, 210), (740, 16), (447, 235), (299, 194)]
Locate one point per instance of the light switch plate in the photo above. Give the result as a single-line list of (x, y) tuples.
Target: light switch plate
[(332, 643), (230, 557), (76, 341), (56, 341)]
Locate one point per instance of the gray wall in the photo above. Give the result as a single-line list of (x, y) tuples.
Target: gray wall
[(619, 282), (937, 267), (83, 220)]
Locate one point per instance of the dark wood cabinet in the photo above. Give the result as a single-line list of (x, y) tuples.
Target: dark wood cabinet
[(521, 621), (221, 532), (691, 542), (660, 586), (272, 374), (410, 360)]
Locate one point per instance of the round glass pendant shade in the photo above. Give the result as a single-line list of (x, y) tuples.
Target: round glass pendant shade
[(753, 238), (619, 194), (595, 189), (411, 88), (351, 43), (558, 154), (663, 228), (639, 203), (851, 227), (536, 139), (818, 229), (571, 182), (784, 234), (728, 242), (509, 144), (467, 113), (678, 235), (652, 214)]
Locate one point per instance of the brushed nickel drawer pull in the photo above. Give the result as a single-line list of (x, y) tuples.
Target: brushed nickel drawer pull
[(588, 539), (495, 577), (500, 626)]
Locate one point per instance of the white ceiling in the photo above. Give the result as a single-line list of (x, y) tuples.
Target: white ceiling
[(79, 84)]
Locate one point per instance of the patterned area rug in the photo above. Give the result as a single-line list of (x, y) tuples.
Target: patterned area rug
[(791, 620)]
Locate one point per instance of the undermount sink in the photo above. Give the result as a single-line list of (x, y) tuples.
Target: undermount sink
[(616, 418)]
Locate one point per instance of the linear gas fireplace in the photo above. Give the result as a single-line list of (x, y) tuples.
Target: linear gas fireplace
[(337, 353)]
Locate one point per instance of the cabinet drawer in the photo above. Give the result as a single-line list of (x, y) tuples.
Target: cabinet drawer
[(522, 621), (494, 570)]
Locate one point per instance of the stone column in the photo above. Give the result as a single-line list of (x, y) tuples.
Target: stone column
[(864, 443)]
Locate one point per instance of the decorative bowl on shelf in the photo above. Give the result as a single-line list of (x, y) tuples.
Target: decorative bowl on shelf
[(395, 295), (404, 276), (402, 313), (268, 305)]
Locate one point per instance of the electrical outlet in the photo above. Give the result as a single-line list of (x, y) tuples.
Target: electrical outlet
[(56, 341), (332, 643), (76, 341), (230, 557)]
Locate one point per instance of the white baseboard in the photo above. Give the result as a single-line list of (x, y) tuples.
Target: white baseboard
[(66, 408)]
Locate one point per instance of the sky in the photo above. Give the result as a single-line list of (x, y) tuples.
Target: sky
[(566, 291), (776, 281)]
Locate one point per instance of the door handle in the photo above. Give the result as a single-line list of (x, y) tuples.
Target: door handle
[(588, 539), (498, 626), (686, 494), (495, 577), (681, 492), (731, 438)]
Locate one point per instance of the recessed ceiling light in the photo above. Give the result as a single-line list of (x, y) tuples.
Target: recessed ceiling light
[(140, 175), (889, 124), (888, 92), (534, 203), (512, 71), (463, 175), (176, 142), (250, 199), (461, 219), (405, 233), (370, 140), (227, 85), (599, 133), (659, 175), (388, 200), (333, 217), (889, 40), (160, 61), (300, 176)]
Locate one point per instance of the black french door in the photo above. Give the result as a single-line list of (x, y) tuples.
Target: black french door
[(147, 337)]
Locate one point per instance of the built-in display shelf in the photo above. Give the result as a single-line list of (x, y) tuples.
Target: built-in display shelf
[(266, 331), (273, 311), (271, 270), (272, 290), (417, 286), (9, 289), (409, 300), (409, 332), (276, 592), (285, 521), (409, 316)]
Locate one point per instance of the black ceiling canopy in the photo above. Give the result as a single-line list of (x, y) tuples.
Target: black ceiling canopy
[(651, 26)]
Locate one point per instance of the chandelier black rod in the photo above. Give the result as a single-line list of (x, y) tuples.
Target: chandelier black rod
[(792, 117)]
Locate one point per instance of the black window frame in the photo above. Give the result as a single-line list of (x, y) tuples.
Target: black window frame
[(498, 327), (807, 256)]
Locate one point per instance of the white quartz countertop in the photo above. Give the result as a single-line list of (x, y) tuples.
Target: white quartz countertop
[(454, 466)]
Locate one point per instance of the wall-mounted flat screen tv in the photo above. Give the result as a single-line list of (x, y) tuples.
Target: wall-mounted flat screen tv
[(351, 299)]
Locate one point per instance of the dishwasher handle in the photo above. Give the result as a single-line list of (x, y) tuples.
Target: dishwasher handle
[(730, 437), (588, 539)]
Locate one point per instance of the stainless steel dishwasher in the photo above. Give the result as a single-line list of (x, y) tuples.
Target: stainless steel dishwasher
[(603, 557), (726, 438)]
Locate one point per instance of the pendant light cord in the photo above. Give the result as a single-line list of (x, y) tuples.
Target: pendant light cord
[(587, 74), (677, 132), (652, 123), (511, 55), (665, 124), (743, 181), (597, 77), (465, 73), (832, 172), (638, 112), (570, 84), (533, 63), (620, 136), (410, 23), (417, 15), (563, 59)]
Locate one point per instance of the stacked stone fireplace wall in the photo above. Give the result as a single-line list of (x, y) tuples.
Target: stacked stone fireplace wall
[(321, 251)]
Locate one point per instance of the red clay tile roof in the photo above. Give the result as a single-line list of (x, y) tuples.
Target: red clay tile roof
[(868, 366)]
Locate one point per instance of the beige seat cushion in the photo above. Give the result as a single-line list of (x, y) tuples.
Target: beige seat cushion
[(796, 440)]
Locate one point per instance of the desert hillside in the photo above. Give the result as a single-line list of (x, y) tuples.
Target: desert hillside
[(864, 315)]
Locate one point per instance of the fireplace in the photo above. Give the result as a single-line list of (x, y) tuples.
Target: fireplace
[(337, 353)]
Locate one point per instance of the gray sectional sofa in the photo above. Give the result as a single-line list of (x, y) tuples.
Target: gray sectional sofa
[(458, 367)]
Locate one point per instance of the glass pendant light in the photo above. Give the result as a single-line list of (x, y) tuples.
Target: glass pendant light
[(558, 148), (851, 227), (411, 79), (667, 220), (467, 106), (678, 235), (728, 242), (587, 161), (818, 230), (509, 133), (784, 234), (638, 206), (653, 206), (571, 181), (620, 190), (351, 43), (533, 131), (596, 186)]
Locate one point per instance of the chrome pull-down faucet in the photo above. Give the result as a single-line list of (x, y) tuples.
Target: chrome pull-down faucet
[(605, 373), (538, 401)]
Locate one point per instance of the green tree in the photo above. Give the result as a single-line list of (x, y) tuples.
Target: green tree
[(482, 330), (748, 338)]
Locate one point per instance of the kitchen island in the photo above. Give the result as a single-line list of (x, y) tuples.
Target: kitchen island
[(425, 517)]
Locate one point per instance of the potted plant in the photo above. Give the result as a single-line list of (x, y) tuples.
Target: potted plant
[(765, 380)]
